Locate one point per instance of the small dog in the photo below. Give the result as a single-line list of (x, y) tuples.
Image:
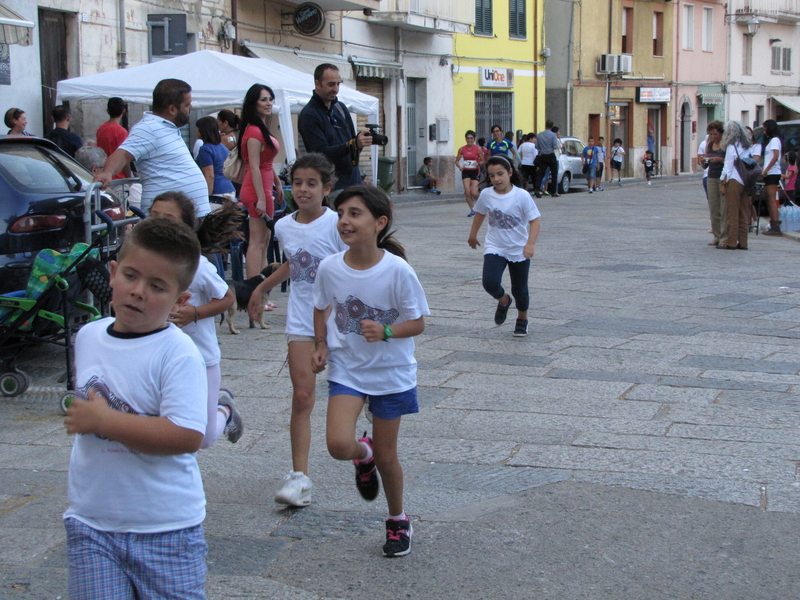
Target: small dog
[(243, 290)]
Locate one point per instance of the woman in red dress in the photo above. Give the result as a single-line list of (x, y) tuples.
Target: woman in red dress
[(258, 150)]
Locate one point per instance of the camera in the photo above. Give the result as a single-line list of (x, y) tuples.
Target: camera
[(378, 139)]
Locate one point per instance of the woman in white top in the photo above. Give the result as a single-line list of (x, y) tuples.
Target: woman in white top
[(737, 198), (772, 174)]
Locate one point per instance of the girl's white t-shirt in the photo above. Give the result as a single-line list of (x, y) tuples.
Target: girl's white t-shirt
[(774, 144), (756, 150), (388, 293), (305, 245), (206, 286), (507, 216), (528, 153)]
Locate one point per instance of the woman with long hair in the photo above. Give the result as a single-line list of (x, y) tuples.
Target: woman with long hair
[(736, 197), (773, 149), (257, 149), (211, 157), (228, 125)]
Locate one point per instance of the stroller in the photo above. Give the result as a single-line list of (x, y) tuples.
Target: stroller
[(64, 292)]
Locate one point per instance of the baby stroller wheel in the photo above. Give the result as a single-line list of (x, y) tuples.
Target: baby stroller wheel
[(66, 400), (13, 383)]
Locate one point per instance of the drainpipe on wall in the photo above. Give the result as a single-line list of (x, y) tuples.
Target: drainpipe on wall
[(536, 62), (122, 61)]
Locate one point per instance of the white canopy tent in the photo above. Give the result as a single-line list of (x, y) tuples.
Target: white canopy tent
[(219, 81)]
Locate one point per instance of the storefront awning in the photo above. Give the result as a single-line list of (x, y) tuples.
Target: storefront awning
[(298, 60), (790, 102), (368, 68), (711, 99), (13, 28)]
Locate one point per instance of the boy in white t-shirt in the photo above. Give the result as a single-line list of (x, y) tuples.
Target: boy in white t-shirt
[(136, 500)]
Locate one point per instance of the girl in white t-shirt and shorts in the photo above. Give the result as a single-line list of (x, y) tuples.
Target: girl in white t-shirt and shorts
[(772, 174), (307, 236), (210, 297), (368, 306), (513, 229)]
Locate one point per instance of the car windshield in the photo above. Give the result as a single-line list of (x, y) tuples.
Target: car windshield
[(38, 170)]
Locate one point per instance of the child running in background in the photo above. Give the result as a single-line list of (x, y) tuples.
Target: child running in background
[(513, 228), (368, 306), (790, 177), (210, 297), (617, 154), (136, 502), (649, 163), (307, 236)]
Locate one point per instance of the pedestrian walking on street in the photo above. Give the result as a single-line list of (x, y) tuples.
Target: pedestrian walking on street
[(547, 143), (307, 236), (374, 306), (772, 174), (513, 228), (601, 163), (714, 159), (736, 195), (528, 154), (589, 162), (617, 154), (649, 164)]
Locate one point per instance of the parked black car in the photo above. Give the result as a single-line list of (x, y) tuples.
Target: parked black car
[(42, 192)]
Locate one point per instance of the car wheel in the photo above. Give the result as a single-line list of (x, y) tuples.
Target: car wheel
[(563, 187)]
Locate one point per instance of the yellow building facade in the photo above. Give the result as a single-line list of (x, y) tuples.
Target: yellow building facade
[(498, 70)]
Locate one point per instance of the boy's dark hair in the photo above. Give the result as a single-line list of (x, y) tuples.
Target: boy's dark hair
[(209, 131), (229, 117), (509, 135), (618, 141), (602, 138), (516, 178), (377, 203), (60, 113), (531, 135), (168, 238), (427, 160), (470, 132), (115, 107), (320, 70), (493, 127), (548, 124), (481, 141), (169, 92), (555, 129)]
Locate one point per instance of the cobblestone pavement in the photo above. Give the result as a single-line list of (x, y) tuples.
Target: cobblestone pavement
[(642, 442)]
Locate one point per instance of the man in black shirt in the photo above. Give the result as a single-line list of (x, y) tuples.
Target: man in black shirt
[(326, 126), (61, 136)]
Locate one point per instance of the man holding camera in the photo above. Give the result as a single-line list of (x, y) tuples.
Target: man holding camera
[(326, 126)]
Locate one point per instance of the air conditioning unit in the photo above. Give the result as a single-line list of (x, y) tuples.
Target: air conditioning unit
[(609, 63), (625, 63)]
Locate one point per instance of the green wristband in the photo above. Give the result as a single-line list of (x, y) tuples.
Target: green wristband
[(387, 333)]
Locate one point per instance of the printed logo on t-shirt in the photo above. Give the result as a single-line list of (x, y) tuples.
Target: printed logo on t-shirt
[(349, 314), (303, 266), (99, 387), (499, 219)]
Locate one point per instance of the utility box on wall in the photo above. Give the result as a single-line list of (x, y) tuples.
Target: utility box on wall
[(167, 35), (442, 130)]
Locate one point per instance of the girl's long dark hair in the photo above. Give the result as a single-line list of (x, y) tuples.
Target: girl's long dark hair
[(516, 178), (771, 131), (217, 229), (250, 116), (319, 163), (377, 203), (209, 132)]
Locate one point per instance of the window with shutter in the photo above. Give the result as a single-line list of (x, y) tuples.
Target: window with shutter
[(516, 19), (483, 17)]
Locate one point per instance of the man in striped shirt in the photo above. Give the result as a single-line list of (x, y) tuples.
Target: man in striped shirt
[(162, 158)]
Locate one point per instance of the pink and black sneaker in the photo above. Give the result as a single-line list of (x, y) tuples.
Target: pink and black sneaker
[(398, 538), (367, 474)]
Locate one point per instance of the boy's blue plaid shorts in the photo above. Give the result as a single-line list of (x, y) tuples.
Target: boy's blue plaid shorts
[(135, 566)]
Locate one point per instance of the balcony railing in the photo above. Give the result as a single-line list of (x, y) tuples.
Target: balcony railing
[(766, 8), (455, 16)]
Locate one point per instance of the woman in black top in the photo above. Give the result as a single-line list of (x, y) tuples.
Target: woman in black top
[(715, 159)]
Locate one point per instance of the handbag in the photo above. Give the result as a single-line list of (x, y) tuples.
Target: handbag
[(749, 170), (233, 167), (586, 169)]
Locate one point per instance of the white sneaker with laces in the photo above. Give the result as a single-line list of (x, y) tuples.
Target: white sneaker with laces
[(296, 491)]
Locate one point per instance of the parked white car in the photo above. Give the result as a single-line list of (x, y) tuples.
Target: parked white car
[(570, 169)]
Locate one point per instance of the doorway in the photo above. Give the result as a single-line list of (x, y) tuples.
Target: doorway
[(416, 142), (53, 57), (618, 113), (654, 131), (686, 138)]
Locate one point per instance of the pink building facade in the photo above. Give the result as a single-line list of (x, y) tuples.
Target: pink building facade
[(700, 67)]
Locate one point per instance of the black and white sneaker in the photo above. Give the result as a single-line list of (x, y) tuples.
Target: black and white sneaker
[(521, 329), (398, 538), (367, 474), (501, 312)]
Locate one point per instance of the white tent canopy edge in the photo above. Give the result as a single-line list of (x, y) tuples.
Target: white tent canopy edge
[(219, 81)]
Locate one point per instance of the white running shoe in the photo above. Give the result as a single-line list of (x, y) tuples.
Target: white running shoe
[(296, 491)]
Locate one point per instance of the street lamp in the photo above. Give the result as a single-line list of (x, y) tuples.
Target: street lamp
[(752, 26)]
